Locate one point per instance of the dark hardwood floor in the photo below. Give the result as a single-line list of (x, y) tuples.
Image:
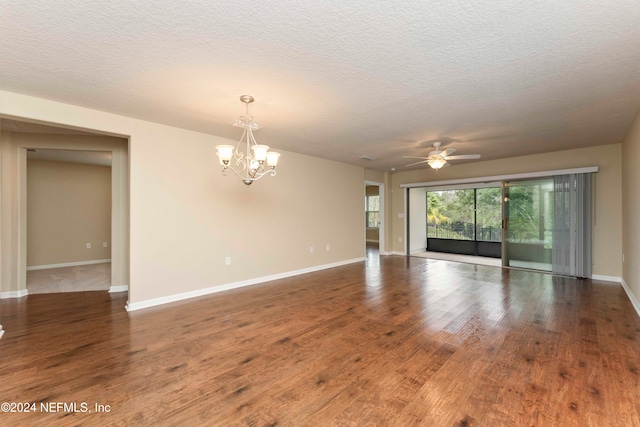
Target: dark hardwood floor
[(395, 341)]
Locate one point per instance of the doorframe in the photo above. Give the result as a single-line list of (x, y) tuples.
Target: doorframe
[(381, 227), (17, 263), (463, 182)]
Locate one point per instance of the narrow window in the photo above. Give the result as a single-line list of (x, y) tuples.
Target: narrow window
[(372, 211)]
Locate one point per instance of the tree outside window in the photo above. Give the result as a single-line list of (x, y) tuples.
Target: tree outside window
[(451, 214), (372, 211)]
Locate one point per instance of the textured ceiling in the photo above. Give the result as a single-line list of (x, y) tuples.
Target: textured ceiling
[(339, 79)]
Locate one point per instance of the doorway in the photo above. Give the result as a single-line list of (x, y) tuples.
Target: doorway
[(374, 218), (18, 136), (544, 222), (68, 221), (456, 222), (528, 212), (465, 221)]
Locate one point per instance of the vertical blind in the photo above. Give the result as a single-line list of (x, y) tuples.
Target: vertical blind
[(571, 249)]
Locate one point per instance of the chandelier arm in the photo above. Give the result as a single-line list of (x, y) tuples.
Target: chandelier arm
[(253, 172), (246, 135), (253, 139), (270, 172), (259, 174), (235, 172), (240, 161), (240, 141)]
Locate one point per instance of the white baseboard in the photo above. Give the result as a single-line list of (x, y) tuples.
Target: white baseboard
[(68, 264), (1, 331), (373, 241), (397, 253), (634, 301), (114, 289), (606, 278), (214, 289), (14, 294)]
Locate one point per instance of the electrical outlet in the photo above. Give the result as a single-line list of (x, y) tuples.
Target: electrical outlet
[(310, 249), (227, 261), (328, 247), (399, 239), (88, 245), (105, 244)]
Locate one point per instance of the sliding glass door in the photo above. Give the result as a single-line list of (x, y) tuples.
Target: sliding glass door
[(489, 222), (541, 224), (528, 213), (548, 224), (465, 221)]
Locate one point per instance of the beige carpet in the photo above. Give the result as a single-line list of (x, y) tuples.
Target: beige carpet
[(94, 277)]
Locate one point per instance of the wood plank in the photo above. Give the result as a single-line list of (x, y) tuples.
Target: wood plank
[(399, 341)]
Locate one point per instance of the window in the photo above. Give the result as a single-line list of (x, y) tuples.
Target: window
[(450, 214), (372, 211), (466, 214), (489, 214)]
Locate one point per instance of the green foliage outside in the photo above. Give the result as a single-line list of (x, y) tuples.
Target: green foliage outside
[(450, 214), (531, 212), (372, 211)]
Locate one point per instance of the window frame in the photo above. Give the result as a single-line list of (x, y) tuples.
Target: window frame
[(368, 211)]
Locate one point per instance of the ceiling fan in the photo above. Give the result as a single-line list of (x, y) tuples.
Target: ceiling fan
[(438, 158)]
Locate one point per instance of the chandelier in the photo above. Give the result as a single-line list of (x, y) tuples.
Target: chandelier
[(250, 164)]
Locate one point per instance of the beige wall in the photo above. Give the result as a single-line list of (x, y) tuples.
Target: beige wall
[(185, 218), (374, 176), (631, 209), (68, 206), (607, 237)]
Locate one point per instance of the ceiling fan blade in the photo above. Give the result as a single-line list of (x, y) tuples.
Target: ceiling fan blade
[(448, 151), (417, 163), (463, 156), (414, 157)]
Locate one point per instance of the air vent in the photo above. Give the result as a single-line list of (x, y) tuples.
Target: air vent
[(365, 157)]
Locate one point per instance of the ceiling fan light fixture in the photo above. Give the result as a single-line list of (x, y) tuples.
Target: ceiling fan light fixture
[(439, 158), (436, 163)]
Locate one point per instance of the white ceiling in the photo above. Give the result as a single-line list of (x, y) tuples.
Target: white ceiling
[(340, 79)]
